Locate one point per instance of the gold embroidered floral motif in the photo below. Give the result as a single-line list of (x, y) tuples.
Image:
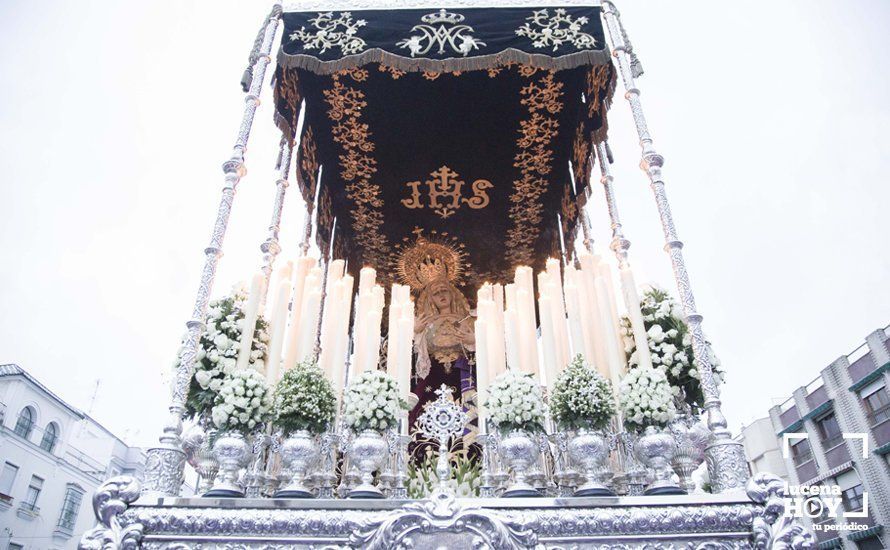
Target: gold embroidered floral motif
[(598, 79), (431, 75), (446, 185), (580, 155), (544, 96), (309, 164), (357, 168), (344, 102), (536, 134), (357, 73), (393, 72)]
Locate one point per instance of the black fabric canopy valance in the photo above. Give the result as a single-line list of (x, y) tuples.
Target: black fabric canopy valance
[(471, 126)]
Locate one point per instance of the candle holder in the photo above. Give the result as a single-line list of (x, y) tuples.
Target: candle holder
[(325, 476), (489, 449), (254, 475), (635, 475), (564, 473), (400, 486)]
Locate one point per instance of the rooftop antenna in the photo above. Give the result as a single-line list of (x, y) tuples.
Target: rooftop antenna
[(93, 398)]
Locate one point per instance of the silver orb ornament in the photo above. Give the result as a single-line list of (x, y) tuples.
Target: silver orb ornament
[(230, 450), (297, 452), (519, 451), (368, 452), (590, 449), (655, 448)]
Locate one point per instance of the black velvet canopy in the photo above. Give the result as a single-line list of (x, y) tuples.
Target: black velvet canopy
[(472, 127)]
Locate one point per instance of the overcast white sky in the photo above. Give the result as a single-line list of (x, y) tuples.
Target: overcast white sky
[(116, 116)]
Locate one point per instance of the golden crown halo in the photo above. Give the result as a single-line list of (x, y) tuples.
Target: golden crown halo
[(426, 258)]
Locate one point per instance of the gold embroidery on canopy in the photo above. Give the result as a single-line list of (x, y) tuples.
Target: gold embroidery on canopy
[(309, 163), (598, 79), (393, 72), (357, 168), (580, 156), (445, 184), (536, 133)]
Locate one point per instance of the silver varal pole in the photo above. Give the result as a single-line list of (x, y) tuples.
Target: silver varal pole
[(165, 463), (727, 466)]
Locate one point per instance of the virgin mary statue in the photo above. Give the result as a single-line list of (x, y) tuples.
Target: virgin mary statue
[(444, 341)]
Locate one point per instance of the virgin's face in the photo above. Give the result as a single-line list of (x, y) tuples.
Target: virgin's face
[(442, 297)]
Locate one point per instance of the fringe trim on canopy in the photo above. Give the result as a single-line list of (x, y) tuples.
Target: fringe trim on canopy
[(482, 62)]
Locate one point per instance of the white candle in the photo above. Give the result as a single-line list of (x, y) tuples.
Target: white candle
[(341, 344), (372, 357), (251, 311), (511, 335), (482, 370), (632, 303), (548, 369), (610, 343), (615, 323), (406, 341), (278, 326), (576, 330), (528, 338), (367, 278), (308, 324), (304, 265)]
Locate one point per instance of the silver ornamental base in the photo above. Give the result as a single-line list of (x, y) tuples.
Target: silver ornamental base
[(519, 451), (368, 452), (589, 449), (692, 437), (297, 452), (655, 448), (199, 453), (230, 450)]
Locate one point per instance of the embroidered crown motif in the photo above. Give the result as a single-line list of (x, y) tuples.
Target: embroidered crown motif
[(442, 17)]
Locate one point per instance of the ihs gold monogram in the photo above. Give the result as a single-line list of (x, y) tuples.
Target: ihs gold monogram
[(446, 186)]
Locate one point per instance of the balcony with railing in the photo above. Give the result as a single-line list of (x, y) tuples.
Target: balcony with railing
[(788, 414), (816, 393)]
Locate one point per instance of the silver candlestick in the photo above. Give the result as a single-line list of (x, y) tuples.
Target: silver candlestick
[(164, 464), (727, 465)]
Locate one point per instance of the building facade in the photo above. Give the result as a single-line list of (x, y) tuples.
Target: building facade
[(837, 433), (52, 458), (762, 448)]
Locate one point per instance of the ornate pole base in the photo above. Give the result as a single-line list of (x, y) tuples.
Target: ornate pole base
[(727, 465)]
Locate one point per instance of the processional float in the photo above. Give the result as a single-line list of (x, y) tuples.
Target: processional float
[(444, 155)]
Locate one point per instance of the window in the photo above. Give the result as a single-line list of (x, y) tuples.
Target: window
[(852, 498), (871, 543), (801, 452), (25, 422), (7, 478), (50, 436), (830, 431), (70, 507), (33, 493), (877, 403)]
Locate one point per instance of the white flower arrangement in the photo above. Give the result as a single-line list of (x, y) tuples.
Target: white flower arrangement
[(304, 400), (243, 402), (465, 480), (372, 402), (670, 346), (646, 399), (515, 402), (218, 350), (581, 398)]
